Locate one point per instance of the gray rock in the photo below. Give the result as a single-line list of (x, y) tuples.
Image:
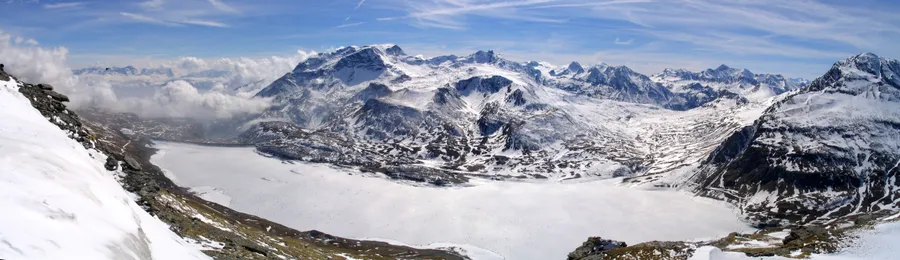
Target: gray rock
[(45, 86), (57, 96), (111, 164), (131, 163), (592, 248)]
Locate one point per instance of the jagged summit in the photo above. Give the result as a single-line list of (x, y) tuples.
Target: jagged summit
[(395, 50), (864, 75), (576, 67), (483, 57), (871, 64)]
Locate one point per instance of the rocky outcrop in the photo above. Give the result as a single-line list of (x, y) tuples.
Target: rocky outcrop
[(593, 247), (799, 241)]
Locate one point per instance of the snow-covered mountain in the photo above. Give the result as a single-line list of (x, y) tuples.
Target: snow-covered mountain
[(58, 200), (483, 115), (723, 78), (830, 149)]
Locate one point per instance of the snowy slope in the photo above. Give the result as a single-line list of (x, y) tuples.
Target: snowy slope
[(828, 150), (58, 202)]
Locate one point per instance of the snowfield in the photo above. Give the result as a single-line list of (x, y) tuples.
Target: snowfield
[(58, 202), (518, 220)]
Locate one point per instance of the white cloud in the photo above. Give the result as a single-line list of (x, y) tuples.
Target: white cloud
[(349, 25), (152, 4), (758, 26), (147, 19), (218, 4), (201, 88), (359, 4), (153, 96), (811, 31), (620, 42), (446, 14), (64, 5), (205, 23), (48, 65), (34, 64), (181, 99)]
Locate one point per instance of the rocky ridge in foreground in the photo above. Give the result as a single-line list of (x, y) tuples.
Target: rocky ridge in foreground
[(798, 242)]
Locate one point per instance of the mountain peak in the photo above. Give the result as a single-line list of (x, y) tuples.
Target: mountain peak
[(867, 62), (723, 67), (390, 49), (395, 50), (483, 57), (575, 67)]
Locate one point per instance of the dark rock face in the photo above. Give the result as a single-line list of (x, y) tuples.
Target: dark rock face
[(591, 249), (485, 86), (367, 58), (373, 91), (395, 50)]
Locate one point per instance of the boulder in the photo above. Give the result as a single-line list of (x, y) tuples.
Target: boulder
[(45, 86), (132, 164), (591, 248), (111, 164), (57, 96)]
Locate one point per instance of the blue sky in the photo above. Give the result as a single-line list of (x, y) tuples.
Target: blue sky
[(793, 37)]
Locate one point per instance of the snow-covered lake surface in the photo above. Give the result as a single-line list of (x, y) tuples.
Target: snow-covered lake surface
[(517, 220)]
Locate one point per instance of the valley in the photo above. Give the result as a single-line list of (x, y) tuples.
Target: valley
[(513, 219)]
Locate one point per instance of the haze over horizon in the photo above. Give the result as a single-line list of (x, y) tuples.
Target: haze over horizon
[(794, 38)]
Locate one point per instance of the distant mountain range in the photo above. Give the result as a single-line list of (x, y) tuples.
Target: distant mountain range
[(124, 71)]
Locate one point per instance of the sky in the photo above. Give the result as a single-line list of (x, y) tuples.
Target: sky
[(797, 38)]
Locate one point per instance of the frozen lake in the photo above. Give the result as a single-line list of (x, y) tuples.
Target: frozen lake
[(517, 220)]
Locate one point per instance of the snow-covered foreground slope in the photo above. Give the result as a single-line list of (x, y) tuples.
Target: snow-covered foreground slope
[(58, 202), (519, 220)]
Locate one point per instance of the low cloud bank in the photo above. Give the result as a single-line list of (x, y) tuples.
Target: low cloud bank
[(203, 89), (181, 99)]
